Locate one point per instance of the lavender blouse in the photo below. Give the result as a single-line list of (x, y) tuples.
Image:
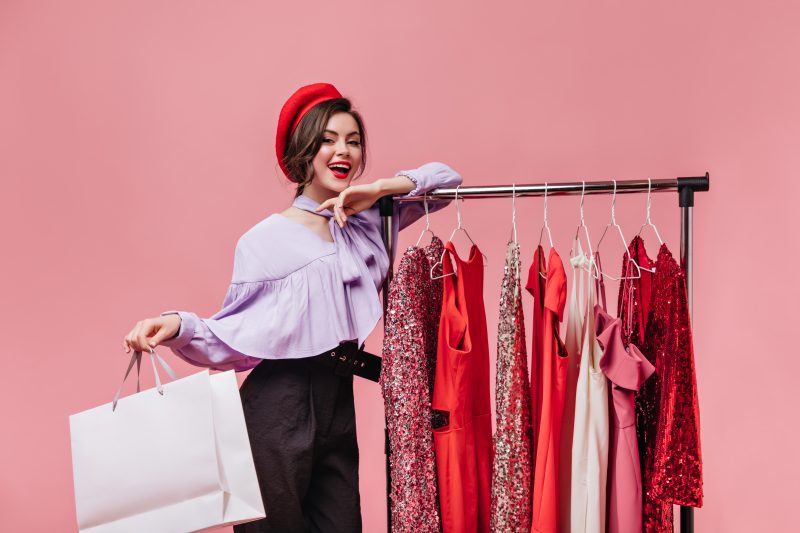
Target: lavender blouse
[(294, 294)]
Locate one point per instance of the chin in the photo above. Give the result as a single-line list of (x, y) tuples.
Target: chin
[(336, 186)]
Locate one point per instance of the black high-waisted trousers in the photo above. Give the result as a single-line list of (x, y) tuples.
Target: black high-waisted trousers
[(301, 421)]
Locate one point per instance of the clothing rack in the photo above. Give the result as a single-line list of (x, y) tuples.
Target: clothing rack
[(686, 187)]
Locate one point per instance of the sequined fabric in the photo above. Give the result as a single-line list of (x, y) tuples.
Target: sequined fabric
[(511, 472), (667, 417), (634, 310), (409, 354), (676, 459), (634, 294)]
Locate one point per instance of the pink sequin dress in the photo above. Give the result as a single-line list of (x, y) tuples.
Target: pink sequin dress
[(409, 356), (511, 471)]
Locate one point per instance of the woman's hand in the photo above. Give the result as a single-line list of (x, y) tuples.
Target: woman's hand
[(148, 333), (353, 199)]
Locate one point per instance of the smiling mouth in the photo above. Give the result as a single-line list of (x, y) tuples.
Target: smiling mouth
[(340, 171)]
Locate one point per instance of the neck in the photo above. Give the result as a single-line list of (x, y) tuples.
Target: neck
[(317, 194)]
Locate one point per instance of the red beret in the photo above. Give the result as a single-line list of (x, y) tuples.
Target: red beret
[(293, 111)]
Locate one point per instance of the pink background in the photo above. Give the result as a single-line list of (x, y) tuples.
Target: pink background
[(136, 146)]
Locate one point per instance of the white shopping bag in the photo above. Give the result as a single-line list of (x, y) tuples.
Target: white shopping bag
[(175, 458)]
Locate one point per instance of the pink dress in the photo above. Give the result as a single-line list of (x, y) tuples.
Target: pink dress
[(627, 370), (409, 358)]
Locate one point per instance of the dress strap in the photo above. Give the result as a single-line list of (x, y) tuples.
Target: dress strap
[(599, 282)]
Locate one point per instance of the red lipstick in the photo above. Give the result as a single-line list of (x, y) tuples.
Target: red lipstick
[(340, 169)]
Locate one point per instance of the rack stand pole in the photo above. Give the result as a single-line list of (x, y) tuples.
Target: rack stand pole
[(386, 206), (686, 189)]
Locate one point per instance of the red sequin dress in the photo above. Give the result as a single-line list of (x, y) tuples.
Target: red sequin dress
[(511, 472), (668, 422), (409, 353)]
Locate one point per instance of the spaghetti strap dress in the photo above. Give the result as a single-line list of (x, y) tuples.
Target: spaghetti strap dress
[(511, 473), (591, 436), (461, 390)]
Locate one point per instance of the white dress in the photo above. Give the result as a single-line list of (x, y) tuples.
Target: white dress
[(591, 432), (573, 342)]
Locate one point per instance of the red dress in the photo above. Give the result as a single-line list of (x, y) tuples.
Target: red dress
[(461, 389), (550, 380), (667, 414)]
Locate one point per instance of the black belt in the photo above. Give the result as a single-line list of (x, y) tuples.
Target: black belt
[(347, 359)]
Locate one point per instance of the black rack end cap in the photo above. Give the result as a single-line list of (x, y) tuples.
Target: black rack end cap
[(688, 186)]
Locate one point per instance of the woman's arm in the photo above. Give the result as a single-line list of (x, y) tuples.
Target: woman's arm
[(416, 182), (397, 185), (426, 178), (196, 344)]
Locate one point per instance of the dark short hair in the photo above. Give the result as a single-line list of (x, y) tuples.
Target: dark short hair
[(307, 139)]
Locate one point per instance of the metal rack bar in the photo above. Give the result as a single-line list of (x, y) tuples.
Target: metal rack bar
[(686, 187), (565, 188)]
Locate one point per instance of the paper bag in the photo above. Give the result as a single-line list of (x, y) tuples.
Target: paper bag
[(174, 458)]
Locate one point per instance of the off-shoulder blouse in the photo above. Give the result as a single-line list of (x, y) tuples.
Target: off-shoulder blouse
[(294, 294)]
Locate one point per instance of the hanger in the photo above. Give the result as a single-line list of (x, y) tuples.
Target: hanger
[(592, 268), (514, 212), (459, 227), (622, 237), (546, 226), (514, 231), (649, 222), (427, 221)]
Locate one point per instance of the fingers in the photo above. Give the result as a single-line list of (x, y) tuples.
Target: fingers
[(327, 204), (145, 330), (137, 339), (338, 213), (338, 207)]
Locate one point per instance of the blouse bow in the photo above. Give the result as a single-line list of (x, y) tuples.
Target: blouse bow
[(347, 247)]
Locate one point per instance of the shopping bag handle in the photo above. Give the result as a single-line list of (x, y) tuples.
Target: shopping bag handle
[(137, 358)]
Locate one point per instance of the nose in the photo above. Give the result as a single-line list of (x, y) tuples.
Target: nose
[(342, 148)]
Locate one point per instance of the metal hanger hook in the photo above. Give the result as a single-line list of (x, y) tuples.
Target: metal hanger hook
[(583, 193), (545, 204), (514, 209), (458, 209), (613, 204), (427, 220)]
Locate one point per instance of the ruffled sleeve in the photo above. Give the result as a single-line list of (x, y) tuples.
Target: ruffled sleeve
[(196, 344), (426, 178)]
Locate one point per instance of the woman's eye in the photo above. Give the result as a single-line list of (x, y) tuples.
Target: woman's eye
[(327, 140), (355, 143)]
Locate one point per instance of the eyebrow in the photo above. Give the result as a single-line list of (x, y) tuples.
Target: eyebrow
[(348, 135)]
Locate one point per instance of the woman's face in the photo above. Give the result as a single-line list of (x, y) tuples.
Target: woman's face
[(338, 159)]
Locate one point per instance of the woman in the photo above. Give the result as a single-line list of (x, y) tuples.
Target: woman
[(303, 298)]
